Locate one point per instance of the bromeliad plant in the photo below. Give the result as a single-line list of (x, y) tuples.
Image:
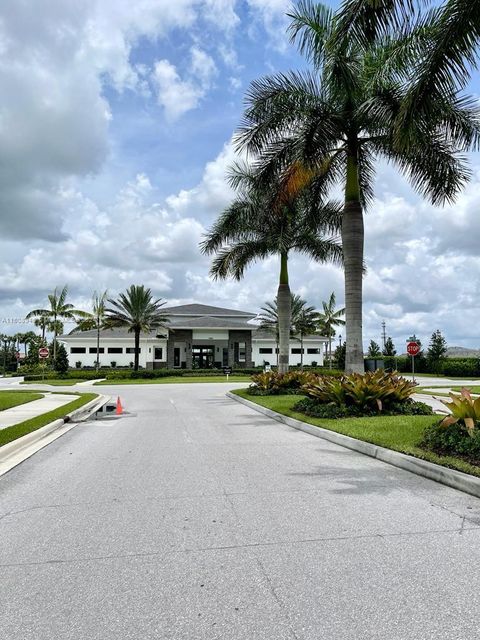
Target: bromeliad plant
[(464, 409), (374, 391), (274, 383)]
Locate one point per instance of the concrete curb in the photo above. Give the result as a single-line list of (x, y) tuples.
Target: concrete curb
[(22, 448), (450, 477)]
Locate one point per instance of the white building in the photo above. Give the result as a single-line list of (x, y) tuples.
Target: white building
[(198, 336)]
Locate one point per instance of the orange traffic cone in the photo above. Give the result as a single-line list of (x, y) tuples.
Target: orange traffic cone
[(119, 410)]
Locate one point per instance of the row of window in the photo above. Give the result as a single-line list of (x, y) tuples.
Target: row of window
[(102, 350), (295, 350)]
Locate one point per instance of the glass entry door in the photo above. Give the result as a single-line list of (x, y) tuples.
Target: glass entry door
[(203, 356)]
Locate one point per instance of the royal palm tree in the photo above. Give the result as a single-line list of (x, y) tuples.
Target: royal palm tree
[(440, 50), (59, 310), (265, 219), (340, 119), (95, 320), (328, 320), (138, 311)]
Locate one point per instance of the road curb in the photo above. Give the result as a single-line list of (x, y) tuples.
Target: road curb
[(449, 477), (15, 452)]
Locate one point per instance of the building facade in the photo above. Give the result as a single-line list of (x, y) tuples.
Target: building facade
[(197, 337)]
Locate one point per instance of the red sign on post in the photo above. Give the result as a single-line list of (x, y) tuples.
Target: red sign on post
[(413, 348), (43, 352)]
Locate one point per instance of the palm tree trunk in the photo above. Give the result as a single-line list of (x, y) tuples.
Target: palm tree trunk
[(97, 366), (330, 350), (352, 241), (137, 347), (284, 312), (301, 351), (54, 338)]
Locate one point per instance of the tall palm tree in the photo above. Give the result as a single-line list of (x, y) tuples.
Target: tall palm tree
[(43, 322), (328, 320), (138, 311), (95, 320), (305, 324), (340, 119), (266, 219), (440, 51), (59, 310)]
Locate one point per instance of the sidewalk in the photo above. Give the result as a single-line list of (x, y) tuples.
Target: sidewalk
[(33, 409)]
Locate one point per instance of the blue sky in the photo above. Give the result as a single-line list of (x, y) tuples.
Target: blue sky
[(115, 127)]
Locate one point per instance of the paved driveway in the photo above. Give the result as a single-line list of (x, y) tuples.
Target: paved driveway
[(200, 519)]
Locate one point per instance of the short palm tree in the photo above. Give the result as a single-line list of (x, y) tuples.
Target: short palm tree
[(269, 317), (328, 320), (340, 119), (305, 324), (59, 310), (138, 311), (43, 323), (265, 220), (95, 320)]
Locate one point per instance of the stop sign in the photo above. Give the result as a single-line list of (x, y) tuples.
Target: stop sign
[(413, 348), (43, 352)]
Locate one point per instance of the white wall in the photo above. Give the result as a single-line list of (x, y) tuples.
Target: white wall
[(294, 358), (122, 359)]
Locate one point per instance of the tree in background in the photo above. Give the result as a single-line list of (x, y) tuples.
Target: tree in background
[(59, 310), (60, 364), (269, 317), (389, 348), (374, 350), (138, 311), (304, 323), (95, 320), (7, 353), (43, 323), (328, 320), (339, 357), (437, 352)]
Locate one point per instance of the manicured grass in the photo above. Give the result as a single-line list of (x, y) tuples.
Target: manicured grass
[(9, 399), (399, 433), (472, 389), (22, 428), (177, 380), (56, 383)]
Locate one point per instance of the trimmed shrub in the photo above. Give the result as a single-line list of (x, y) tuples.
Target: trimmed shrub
[(310, 407), (459, 367), (452, 440)]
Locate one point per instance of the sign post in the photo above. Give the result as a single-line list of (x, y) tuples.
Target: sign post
[(43, 354), (413, 348), (227, 371)]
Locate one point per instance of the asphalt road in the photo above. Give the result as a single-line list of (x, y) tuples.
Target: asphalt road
[(198, 518)]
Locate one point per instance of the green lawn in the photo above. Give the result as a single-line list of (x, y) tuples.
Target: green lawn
[(472, 389), (399, 433), (56, 383), (9, 399), (177, 380), (22, 428)]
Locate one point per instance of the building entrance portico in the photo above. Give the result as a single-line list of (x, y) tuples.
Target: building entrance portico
[(203, 356)]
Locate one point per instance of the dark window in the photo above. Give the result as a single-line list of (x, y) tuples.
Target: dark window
[(115, 349), (313, 351), (158, 353), (132, 350), (78, 350), (94, 350), (265, 350), (297, 350)]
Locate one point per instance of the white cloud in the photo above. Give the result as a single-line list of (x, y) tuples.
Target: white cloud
[(178, 96)]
